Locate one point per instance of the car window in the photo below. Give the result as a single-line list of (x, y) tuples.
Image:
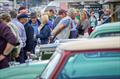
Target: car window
[(93, 65), (108, 34)]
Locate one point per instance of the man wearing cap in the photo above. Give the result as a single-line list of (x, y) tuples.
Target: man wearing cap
[(35, 23), (20, 22)]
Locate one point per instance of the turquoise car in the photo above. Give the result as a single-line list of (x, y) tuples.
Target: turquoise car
[(97, 58), (23, 71), (106, 30), (31, 70)]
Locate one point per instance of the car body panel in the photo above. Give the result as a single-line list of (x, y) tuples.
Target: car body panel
[(91, 44), (23, 71), (111, 65), (106, 29), (31, 70)]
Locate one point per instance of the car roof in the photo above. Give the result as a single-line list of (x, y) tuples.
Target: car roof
[(106, 28), (92, 44)]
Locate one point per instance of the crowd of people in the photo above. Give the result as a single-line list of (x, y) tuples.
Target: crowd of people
[(20, 31)]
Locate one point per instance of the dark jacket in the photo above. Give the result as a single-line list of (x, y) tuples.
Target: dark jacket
[(44, 34), (30, 37)]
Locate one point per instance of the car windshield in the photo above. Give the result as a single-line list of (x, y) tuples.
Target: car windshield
[(92, 65), (52, 64)]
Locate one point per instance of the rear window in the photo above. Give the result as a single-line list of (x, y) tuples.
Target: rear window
[(92, 65)]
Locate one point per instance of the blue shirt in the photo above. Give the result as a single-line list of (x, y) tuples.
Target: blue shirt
[(64, 34), (21, 31), (35, 27)]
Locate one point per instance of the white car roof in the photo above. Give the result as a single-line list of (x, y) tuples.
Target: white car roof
[(91, 44)]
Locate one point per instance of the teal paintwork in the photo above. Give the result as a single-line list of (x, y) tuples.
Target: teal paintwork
[(106, 29), (23, 71)]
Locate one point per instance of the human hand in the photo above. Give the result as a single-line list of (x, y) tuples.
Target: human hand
[(51, 39), (30, 55), (2, 57)]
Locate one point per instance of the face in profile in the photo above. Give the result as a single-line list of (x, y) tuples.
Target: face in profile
[(25, 20), (84, 15), (92, 13)]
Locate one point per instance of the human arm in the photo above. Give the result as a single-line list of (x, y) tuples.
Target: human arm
[(63, 24), (7, 50), (44, 32), (55, 32), (9, 37)]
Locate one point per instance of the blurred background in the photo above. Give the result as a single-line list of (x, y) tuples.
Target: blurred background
[(43, 5)]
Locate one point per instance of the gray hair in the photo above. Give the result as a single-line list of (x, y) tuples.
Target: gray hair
[(71, 11), (13, 14)]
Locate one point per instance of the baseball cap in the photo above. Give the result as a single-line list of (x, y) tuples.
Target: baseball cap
[(22, 16)]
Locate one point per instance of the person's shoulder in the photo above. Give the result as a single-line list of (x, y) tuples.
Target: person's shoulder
[(58, 17), (38, 21), (47, 25), (28, 25), (4, 28), (64, 19), (12, 25), (3, 25), (29, 21)]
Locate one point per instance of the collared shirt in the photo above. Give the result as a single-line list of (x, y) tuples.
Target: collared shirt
[(21, 31), (35, 27)]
